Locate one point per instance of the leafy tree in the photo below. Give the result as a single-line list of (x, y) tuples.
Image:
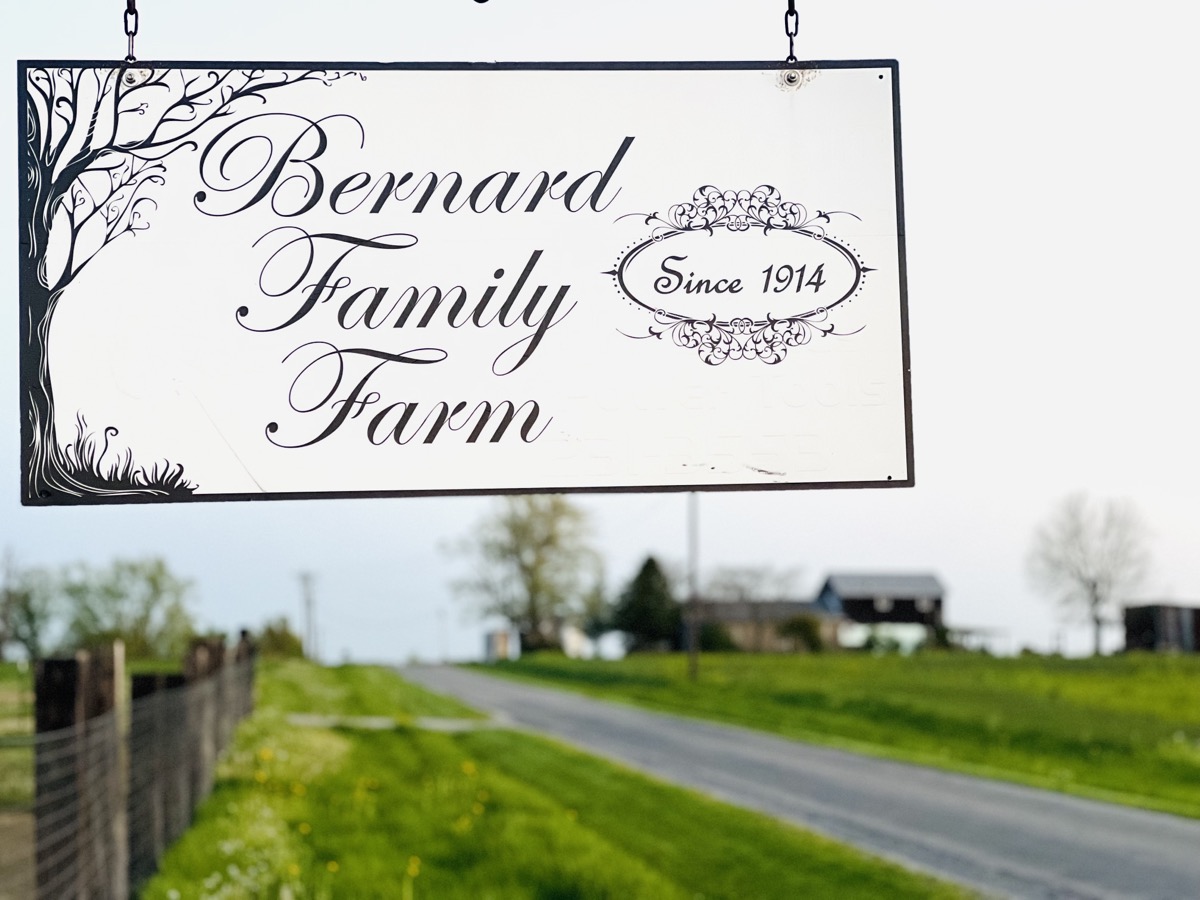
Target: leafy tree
[(1086, 553), (138, 601), (7, 599), (647, 612), (27, 607), (532, 565)]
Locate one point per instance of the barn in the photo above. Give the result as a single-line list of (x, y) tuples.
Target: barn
[(912, 599), (1162, 627)]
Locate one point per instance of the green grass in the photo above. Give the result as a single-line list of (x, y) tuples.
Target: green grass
[(295, 686), (16, 699), (1123, 728), (16, 721), (145, 666), (482, 815)]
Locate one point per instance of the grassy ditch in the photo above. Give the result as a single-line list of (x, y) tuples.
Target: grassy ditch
[(315, 812), (1122, 728)]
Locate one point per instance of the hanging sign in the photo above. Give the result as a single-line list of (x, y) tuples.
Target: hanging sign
[(277, 280)]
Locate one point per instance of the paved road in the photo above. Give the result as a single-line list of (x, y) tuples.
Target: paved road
[(1002, 839)]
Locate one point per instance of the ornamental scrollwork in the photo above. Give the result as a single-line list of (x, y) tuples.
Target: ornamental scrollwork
[(768, 338)]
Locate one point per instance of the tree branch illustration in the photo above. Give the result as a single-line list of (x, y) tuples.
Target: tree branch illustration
[(96, 146)]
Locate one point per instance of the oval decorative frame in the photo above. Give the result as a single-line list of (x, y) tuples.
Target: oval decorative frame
[(715, 340)]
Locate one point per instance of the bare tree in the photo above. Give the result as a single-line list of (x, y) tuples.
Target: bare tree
[(753, 583), (94, 148), (533, 565), (1086, 553)]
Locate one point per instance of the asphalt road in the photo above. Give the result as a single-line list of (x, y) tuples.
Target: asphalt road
[(1001, 839)]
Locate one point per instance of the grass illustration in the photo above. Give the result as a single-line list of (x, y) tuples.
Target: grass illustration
[(87, 461)]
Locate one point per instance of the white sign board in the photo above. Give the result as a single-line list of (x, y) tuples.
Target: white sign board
[(277, 280)]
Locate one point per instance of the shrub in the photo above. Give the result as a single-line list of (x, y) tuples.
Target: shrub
[(715, 638), (804, 630), (279, 641)]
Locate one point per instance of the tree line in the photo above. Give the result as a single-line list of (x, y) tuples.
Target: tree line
[(534, 566), (58, 610)]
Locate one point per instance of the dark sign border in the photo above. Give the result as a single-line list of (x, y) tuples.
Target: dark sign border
[(29, 373)]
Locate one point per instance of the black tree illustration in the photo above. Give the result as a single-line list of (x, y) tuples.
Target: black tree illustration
[(95, 146)]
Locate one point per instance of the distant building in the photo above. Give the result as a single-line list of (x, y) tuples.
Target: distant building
[(876, 599), (1162, 627), (753, 624), (502, 644), (848, 609), (577, 645)]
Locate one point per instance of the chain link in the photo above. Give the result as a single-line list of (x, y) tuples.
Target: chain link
[(131, 27), (791, 27)]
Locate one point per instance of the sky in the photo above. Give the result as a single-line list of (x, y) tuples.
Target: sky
[(1050, 195)]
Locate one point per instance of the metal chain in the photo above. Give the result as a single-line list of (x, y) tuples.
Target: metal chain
[(791, 27), (131, 27)]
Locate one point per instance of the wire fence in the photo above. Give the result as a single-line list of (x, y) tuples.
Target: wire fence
[(90, 809), (78, 796)]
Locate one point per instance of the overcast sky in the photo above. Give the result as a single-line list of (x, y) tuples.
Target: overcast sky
[(1051, 193)]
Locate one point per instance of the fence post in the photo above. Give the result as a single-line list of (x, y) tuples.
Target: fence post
[(58, 706), (147, 808), (76, 770), (174, 749), (202, 660), (117, 781), (118, 784)]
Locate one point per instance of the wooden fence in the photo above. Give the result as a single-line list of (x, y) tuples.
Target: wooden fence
[(116, 779)]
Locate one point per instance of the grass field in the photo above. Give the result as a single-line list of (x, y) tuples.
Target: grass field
[(1123, 728), (16, 721), (479, 815), (16, 699)]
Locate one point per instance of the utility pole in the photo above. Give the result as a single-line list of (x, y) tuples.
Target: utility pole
[(693, 603), (441, 617), (310, 624)]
